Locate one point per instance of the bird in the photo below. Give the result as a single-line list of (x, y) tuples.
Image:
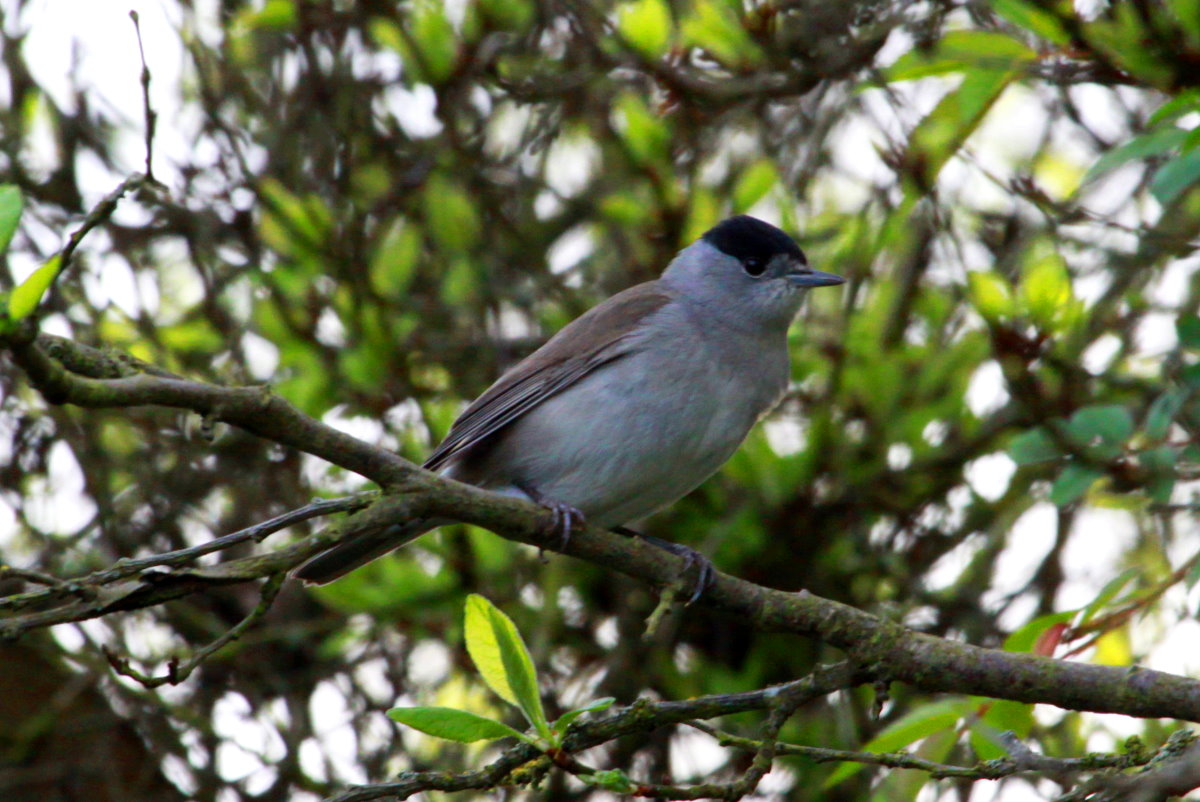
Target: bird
[(632, 405)]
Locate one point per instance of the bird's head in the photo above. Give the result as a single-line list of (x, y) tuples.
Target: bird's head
[(748, 268)]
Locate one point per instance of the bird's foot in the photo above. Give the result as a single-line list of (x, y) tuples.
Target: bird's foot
[(566, 519), (706, 574)]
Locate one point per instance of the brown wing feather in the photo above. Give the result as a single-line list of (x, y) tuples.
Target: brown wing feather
[(596, 338)]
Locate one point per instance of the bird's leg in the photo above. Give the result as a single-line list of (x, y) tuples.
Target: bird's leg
[(706, 574), (566, 518)]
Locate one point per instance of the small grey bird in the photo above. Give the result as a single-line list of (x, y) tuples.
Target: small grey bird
[(634, 404)]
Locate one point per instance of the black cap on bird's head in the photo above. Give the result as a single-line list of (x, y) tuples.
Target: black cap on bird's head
[(756, 244), (745, 237)]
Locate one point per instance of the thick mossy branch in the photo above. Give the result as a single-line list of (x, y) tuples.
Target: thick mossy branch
[(884, 650)]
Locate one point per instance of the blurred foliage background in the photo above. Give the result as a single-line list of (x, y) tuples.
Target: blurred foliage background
[(376, 207)]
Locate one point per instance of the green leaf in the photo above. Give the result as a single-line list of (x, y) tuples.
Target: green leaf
[(1033, 19), (568, 718), (922, 722), (499, 653), (1163, 411), (753, 184), (1072, 483), (991, 295), (958, 51), (1032, 447), (1176, 176), (453, 725), (1160, 464), (394, 260), (648, 136), (714, 27), (1151, 143), (433, 34), (943, 131), (646, 25), (1187, 327), (1182, 104), (1193, 575), (11, 204), (1187, 15), (26, 297), (985, 737), (613, 780), (450, 213), (514, 15), (1046, 290), (1111, 424), (275, 14), (1024, 639), (295, 226), (1107, 594)]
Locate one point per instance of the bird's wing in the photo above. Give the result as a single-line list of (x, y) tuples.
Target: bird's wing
[(594, 339)]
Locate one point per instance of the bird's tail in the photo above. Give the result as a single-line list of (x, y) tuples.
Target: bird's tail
[(360, 550)]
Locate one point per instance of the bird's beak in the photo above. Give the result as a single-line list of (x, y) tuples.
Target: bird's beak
[(813, 278)]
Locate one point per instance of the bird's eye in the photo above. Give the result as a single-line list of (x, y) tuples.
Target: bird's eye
[(754, 266)]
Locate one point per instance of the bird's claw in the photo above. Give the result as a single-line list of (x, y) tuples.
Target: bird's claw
[(706, 574), (565, 521)]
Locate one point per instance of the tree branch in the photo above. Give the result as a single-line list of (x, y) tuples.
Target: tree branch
[(886, 649)]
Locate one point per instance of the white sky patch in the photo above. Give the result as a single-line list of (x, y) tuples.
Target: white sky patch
[(101, 41), (1156, 333), (57, 503), (262, 356), (371, 677), (1029, 542), (989, 475), (414, 109), (1172, 285), (570, 164), (986, 391), (1099, 355), (363, 427), (695, 754), (949, 567), (570, 249), (899, 456), (338, 742), (429, 663), (1091, 555), (786, 434)]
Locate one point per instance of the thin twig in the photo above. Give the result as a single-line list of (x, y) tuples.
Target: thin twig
[(151, 116), (1021, 759), (29, 575), (177, 672), (125, 568), (101, 214)]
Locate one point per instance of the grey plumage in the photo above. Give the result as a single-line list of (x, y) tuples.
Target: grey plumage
[(635, 403)]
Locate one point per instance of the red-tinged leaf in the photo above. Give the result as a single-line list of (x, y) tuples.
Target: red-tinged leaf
[(1047, 643)]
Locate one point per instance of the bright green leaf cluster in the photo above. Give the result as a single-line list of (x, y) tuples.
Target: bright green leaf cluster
[(1043, 297), (26, 296), (427, 42), (989, 62), (647, 135), (1176, 149), (500, 654), (1101, 434), (11, 205), (646, 25), (713, 26)]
